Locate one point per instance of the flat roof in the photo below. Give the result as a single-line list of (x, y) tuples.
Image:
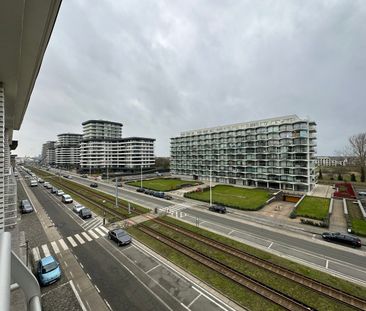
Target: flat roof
[(138, 138), (101, 122)]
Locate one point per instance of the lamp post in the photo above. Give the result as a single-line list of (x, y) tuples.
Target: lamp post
[(117, 192), (210, 187), (103, 213), (141, 176)]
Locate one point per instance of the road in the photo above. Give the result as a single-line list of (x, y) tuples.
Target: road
[(128, 276)]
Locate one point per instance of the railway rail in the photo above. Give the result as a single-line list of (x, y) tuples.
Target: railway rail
[(249, 283), (310, 283)]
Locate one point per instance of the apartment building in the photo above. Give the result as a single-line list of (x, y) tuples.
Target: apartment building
[(138, 151), (101, 145), (274, 153), (331, 161), (67, 150), (48, 156)]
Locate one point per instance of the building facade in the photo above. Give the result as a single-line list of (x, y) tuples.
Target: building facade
[(331, 161), (49, 153), (67, 150), (138, 152), (274, 153), (101, 146)]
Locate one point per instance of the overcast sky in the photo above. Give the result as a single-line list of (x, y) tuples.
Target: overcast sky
[(162, 67)]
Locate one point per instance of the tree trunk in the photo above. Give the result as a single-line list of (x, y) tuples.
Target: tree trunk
[(362, 174)]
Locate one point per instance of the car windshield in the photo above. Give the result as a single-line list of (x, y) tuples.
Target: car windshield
[(121, 233), (49, 267)]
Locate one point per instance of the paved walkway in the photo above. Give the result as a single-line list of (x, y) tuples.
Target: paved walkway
[(324, 191), (337, 221)]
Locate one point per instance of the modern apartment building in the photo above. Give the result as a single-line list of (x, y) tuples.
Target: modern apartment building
[(138, 151), (48, 156), (101, 146), (67, 150), (272, 153), (331, 161)]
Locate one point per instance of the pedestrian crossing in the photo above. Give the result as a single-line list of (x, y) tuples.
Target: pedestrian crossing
[(92, 223), (175, 210), (56, 247)]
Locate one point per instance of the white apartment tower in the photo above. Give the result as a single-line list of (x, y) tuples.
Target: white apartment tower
[(274, 153), (101, 146), (67, 150), (49, 153), (138, 151)]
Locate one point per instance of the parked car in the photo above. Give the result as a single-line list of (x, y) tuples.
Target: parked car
[(33, 183), (60, 192), (362, 193), (85, 213), (120, 236), (54, 190), (26, 207), (119, 184), (159, 194), (40, 180), (94, 185), (168, 197), (84, 176), (66, 198), (77, 207), (48, 270), (140, 190), (47, 185), (341, 238), (218, 209)]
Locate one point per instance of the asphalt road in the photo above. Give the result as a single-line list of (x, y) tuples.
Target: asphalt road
[(115, 282)]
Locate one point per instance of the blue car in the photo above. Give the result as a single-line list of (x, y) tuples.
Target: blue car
[(48, 271)]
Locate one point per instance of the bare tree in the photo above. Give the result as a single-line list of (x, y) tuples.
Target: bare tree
[(357, 144)]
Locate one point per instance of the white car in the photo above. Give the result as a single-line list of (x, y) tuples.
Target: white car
[(77, 207), (60, 192), (33, 183), (66, 198)]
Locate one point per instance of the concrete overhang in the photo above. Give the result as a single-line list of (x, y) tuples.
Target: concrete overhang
[(25, 29)]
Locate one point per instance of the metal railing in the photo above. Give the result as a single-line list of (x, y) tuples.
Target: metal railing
[(12, 269)]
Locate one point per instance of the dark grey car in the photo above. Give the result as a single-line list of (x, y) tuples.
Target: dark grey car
[(120, 236), (26, 207)]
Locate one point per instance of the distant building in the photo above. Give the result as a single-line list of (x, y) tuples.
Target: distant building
[(137, 152), (331, 161), (274, 153), (48, 153), (67, 149), (101, 146)]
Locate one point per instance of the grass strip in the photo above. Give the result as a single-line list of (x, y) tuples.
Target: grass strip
[(279, 283), (235, 197), (323, 277), (313, 207), (358, 223), (163, 184), (234, 291)]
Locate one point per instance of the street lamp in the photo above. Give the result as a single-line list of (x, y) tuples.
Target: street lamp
[(103, 213), (210, 186), (141, 176)]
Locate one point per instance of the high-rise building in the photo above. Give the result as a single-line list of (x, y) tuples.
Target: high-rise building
[(67, 150), (101, 146), (272, 153), (49, 153), (138, 151)]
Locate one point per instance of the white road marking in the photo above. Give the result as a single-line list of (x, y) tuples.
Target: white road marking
[(36, 254), (108, 305), (55, 247), (153, 268), (78, 237), (86, 236), (96, 287), (104, 229), (46, 251), (326, 264), (95, 236), (194, 300), (65, 263), (63, 244), (78, 296), (89, 277), (270, 245), (231, 232), (71, 274), (99, 231), (72, 241)]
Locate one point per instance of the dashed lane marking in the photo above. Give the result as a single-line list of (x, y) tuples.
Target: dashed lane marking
[(79, 238), (36, 254), (72, 241)]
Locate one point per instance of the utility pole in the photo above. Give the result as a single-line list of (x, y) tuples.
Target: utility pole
[(210, 187), (116, 193), (141, 175)]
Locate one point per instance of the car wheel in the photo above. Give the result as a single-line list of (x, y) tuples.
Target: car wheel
[(119, 244)]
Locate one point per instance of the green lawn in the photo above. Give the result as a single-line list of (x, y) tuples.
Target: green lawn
[(241, 198), (163, 184), (358, 223), (313, 207)]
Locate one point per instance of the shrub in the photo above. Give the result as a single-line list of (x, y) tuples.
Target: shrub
[(353, 177)]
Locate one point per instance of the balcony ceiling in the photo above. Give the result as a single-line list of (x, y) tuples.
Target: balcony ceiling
[(25, 29)]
